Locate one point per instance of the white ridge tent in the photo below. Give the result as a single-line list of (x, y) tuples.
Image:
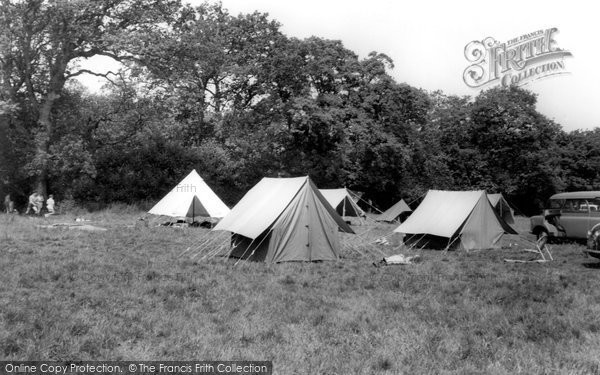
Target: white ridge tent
[(284, 219), (191, 199), (393, 213), (342, 201), (502, 207), (465, 219)]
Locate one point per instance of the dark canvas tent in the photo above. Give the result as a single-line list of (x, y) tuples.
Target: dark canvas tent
[(342, 201), (393, 213), (284, 219), (462, 219), (502, 207)]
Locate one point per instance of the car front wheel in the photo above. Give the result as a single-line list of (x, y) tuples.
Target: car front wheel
[(593, 242)]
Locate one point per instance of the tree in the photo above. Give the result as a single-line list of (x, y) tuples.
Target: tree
[(447, 137), (578, 160), (210, 63), (516, 144), (41, 42)]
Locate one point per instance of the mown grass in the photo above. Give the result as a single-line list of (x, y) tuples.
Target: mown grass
[(127, 293)]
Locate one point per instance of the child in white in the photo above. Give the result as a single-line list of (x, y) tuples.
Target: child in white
[(50, 204)]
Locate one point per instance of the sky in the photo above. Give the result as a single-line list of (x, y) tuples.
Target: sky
[(427, 39)]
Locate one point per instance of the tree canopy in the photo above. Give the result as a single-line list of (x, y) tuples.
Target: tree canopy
[(237, 99)]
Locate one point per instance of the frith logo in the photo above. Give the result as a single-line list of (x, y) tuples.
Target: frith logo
[(185, 188), (516, 62)]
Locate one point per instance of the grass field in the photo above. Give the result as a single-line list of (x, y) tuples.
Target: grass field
[(128, 293)]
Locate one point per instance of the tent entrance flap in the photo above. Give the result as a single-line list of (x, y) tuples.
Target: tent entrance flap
[(304, 232), (197, 209), (250, 249), (482, 228)]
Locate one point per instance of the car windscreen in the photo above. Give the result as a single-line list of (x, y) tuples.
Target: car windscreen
[(555, 203)]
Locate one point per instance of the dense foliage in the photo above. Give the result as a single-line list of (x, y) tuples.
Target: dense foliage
[(236, 99)]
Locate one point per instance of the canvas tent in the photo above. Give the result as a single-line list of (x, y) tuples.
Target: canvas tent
[(284, 219), (341, 200), (502, 207), (461, 219), (192, 199), (393, 213)]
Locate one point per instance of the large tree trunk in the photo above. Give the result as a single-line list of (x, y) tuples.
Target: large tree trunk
[(4, 149), (43, 143)]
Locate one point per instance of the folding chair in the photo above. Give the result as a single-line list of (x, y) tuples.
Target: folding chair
[(542, 245), (541, 248)]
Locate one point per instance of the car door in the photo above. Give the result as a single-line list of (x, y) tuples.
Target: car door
[(575, 218), (594, 218)]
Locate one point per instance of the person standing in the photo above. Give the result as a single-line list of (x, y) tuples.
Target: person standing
[(9, 205), (39, 203), (50, 204), (31, 203)]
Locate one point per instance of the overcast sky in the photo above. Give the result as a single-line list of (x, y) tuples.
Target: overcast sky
[(426, 40)]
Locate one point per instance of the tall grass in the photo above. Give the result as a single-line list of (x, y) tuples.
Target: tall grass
[(128, 294)]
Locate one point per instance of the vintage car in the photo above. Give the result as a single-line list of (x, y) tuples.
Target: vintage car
[(572, 216)]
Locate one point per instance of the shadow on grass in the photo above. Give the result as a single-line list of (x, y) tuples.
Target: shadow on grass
[(592, 266)]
